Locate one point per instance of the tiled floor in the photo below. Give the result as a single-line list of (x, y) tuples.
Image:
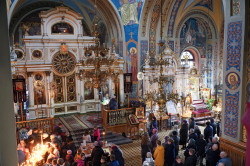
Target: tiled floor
[(132, 152)]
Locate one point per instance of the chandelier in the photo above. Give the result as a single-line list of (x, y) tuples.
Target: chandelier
[(163, 60), (97, 60)]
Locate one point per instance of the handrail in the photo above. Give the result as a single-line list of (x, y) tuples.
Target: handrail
[(119, 109), (115, 117), (35, 120), (47, 125)]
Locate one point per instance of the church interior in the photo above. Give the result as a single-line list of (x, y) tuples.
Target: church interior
[(125, 82)]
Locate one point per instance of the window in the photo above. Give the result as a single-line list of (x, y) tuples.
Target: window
[(187, 59)]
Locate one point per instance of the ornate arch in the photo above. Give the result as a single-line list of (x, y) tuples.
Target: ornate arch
[(198, 14)]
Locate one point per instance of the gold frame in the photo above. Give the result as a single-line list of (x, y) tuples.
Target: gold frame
[(206, 91), (139, 112)]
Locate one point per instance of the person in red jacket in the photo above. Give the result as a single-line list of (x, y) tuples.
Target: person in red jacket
[(96, 134)]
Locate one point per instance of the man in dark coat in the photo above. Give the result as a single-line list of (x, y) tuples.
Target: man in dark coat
[(218, 128), (192, 123), (184, 134), (97, 154), (197, 130), (176, 142), (191, 145), (208, 132), (212, 156), (113, 103), (214, 125), (118, 155), (192, 134), (192, 159), (169, 155), (201, 144)]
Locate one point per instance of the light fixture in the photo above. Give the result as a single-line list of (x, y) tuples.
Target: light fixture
[(99, 64), (164, 59)]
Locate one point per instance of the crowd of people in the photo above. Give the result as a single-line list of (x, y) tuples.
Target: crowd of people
[(62, 150), (195, 146)]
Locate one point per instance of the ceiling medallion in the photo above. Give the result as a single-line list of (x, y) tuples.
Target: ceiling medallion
[(63, 64)]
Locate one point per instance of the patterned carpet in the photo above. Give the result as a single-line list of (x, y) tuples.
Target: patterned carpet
[(91, 120), (73, 123)]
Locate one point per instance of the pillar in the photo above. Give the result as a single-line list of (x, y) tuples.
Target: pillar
[(30, 89), (233, 73), (122, 97), (8, 147)]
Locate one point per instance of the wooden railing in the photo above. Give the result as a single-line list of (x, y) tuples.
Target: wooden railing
[(45, 125), (115, 117), (236, 151)]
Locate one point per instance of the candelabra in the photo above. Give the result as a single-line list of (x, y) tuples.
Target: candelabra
[(98, 65), (163, 60)]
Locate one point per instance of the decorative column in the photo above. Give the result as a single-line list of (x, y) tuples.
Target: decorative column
[(47, 91), (111, 92), (96, 94), (52, 98), (233, 68), (82, 96), (234, 81), (122, 96), (30, 89)]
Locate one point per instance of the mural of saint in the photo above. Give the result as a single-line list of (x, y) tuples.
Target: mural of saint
[(233, 81), (134, 63), (129, 12)]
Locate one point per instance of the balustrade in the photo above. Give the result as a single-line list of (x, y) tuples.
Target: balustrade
[(45, 125)]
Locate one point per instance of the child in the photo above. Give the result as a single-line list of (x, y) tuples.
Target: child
[(149, 160), (113, 162), (104, 161), (178, 161), (60, 162), (54, 162), (69, 157)]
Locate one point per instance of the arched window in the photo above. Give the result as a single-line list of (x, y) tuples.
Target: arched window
[(187, 59)]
